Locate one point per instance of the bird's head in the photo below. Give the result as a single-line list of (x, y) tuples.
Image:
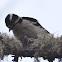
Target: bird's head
[(11, 20)]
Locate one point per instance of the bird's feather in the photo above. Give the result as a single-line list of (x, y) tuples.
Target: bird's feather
[(34, 22)]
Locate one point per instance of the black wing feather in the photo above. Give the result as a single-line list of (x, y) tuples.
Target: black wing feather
[(35, 22), (32, 20)]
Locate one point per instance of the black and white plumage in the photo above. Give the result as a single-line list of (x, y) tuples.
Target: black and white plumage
[(24, 26)]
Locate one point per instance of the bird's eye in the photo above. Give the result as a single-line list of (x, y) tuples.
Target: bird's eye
[(15, 17)]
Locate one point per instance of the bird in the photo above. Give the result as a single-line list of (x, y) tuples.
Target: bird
[(24, 27)]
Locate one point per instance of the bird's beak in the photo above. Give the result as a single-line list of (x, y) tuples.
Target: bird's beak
[(9, 30)]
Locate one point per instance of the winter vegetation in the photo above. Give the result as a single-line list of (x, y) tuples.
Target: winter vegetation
[(46, 46)]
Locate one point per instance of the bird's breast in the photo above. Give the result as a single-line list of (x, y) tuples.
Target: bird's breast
[(20, 31)]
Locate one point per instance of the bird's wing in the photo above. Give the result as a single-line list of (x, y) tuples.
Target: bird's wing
[(34, 22)]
